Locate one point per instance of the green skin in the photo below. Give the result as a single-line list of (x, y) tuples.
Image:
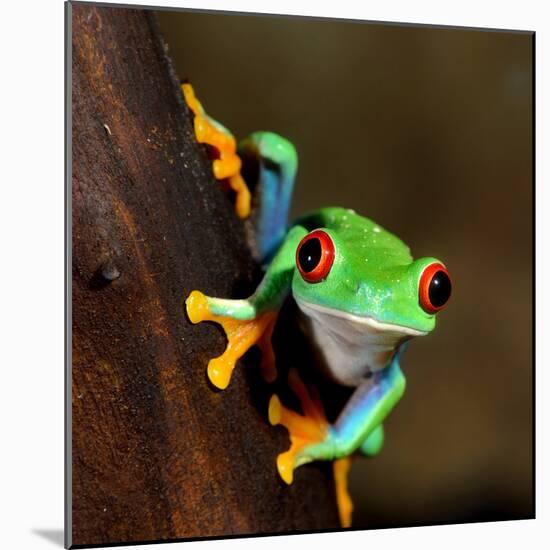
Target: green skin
[(373, 276)]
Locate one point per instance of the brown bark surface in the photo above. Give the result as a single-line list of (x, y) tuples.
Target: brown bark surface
[(157, 452)]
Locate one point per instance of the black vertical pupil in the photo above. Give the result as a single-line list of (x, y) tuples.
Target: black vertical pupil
[(310, 255), (440, 289)]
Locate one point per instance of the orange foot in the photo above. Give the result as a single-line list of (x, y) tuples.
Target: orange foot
[(340, 469), (241, 336), (228, 165), (305, 430)]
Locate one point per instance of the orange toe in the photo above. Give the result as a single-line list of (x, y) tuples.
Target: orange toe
[(228, 165)]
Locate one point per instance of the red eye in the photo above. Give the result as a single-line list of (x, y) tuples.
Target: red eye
[(314, 256), (435, 288)]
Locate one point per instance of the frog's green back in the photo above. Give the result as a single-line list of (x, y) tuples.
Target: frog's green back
[(366, 233)]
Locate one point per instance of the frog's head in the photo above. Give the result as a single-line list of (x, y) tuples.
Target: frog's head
[(362, 284)]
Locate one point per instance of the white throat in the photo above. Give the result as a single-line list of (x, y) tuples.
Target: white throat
[(350, 346)]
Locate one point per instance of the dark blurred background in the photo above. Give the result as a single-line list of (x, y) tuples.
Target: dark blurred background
[(429, 132)]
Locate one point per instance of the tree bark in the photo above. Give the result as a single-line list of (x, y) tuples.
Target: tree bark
[(157, 452)]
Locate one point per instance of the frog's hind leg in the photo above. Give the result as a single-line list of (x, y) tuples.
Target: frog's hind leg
[(270, 163), (227, 165)]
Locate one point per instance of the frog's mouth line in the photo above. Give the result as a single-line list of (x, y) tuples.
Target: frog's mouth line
[(361, 320), (348, 346)]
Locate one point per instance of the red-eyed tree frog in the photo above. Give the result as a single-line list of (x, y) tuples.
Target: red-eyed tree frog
[(361, 295)]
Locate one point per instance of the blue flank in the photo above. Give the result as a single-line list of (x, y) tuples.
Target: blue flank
[(275, 189)]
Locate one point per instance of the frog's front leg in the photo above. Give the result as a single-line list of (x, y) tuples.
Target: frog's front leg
[(359, 426), (341, 467), (355, 428), (250, 321), (371, 402), (244, 327), (373, 444)]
